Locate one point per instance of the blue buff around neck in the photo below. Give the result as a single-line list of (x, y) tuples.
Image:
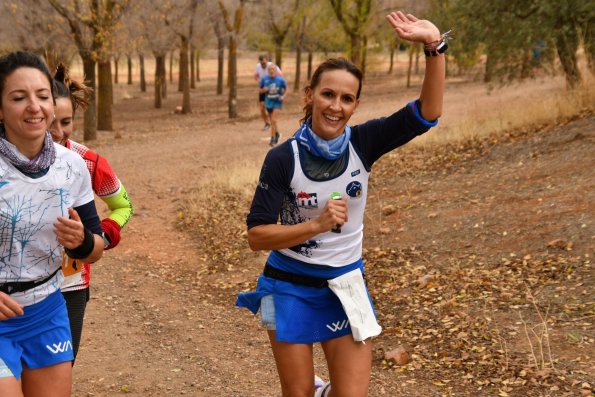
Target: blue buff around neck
[(331, 149)]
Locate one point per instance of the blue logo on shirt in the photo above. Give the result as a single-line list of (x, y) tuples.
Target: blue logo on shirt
[(354, 189), (2, 183)]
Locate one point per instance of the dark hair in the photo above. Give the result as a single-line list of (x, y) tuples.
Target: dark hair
[(22, 59), (263, 57), (77, 92), (329, 65)]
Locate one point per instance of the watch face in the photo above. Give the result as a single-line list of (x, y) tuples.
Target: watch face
[(106, 241)]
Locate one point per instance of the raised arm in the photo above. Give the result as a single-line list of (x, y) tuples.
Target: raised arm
[(409, 28)]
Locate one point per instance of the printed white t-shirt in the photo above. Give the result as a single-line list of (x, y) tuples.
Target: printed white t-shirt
[(29, 207)]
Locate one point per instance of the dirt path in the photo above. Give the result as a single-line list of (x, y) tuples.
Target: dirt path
[(159, 325)]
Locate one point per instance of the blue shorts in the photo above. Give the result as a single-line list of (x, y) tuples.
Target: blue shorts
[(39, 338), (272, 104)]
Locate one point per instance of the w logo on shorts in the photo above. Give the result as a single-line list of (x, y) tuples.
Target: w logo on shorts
[(338, 326), (60, 347)]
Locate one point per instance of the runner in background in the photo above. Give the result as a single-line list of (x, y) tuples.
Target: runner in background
[(261, 71), (70, 96), (275, 88)]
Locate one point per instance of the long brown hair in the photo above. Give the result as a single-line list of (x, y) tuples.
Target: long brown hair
[(329, 65)]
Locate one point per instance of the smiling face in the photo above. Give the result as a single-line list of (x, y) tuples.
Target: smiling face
[(62, 126), (333, 101), (27, 109)]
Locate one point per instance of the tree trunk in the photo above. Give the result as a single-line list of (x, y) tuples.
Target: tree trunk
[(159, 79), (163, 77), (526, 69), (192, 67), (310, 59), (220, 64), (392, 60), (489, 68), (104, 96), (184, 77), (354, 49), (180, 66), (279, 52), (589, 45), (298, 55), (228, 80), (566, 45), (143, 82), (90, 124), (171, 67), (298, 69), (129, 60), (364, 52), (410, 67), (233, 78), (116, 64), (357, 44)]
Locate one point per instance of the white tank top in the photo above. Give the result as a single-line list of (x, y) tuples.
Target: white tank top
[(329, 248)]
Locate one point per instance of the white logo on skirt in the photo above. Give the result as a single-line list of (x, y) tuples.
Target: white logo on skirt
[(61, 347), (338, 326)]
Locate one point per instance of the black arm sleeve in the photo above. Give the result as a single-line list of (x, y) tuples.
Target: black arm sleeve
[(377, 137), (273, 185), (88, 214)]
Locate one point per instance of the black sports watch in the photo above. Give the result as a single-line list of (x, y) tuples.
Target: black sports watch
[(440, 49)]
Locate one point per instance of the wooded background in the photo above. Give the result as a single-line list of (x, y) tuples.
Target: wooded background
[(509, 40)]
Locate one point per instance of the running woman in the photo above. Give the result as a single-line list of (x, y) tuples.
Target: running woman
[(260, 71), (308, 210), (274, 87), (47, 207), (71, 95)]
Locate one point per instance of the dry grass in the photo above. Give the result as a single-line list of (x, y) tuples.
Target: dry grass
[(524, 105), (239, 177), (219, 229)]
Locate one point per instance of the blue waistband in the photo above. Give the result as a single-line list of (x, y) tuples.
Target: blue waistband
[(280, 261), (34, 315)]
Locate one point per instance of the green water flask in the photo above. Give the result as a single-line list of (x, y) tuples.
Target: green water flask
[(336, 196)]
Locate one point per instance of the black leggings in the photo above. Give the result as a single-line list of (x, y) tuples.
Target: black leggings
[(76, 302)]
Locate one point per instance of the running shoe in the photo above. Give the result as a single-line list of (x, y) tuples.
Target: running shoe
[(266, 127), (318, 383), (272, 141), (277, 136), (321, 391)]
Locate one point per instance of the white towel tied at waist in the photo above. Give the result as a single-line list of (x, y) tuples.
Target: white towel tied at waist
[(351, 291)]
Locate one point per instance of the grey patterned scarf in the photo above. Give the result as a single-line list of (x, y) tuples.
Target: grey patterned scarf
[(42, 161)]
